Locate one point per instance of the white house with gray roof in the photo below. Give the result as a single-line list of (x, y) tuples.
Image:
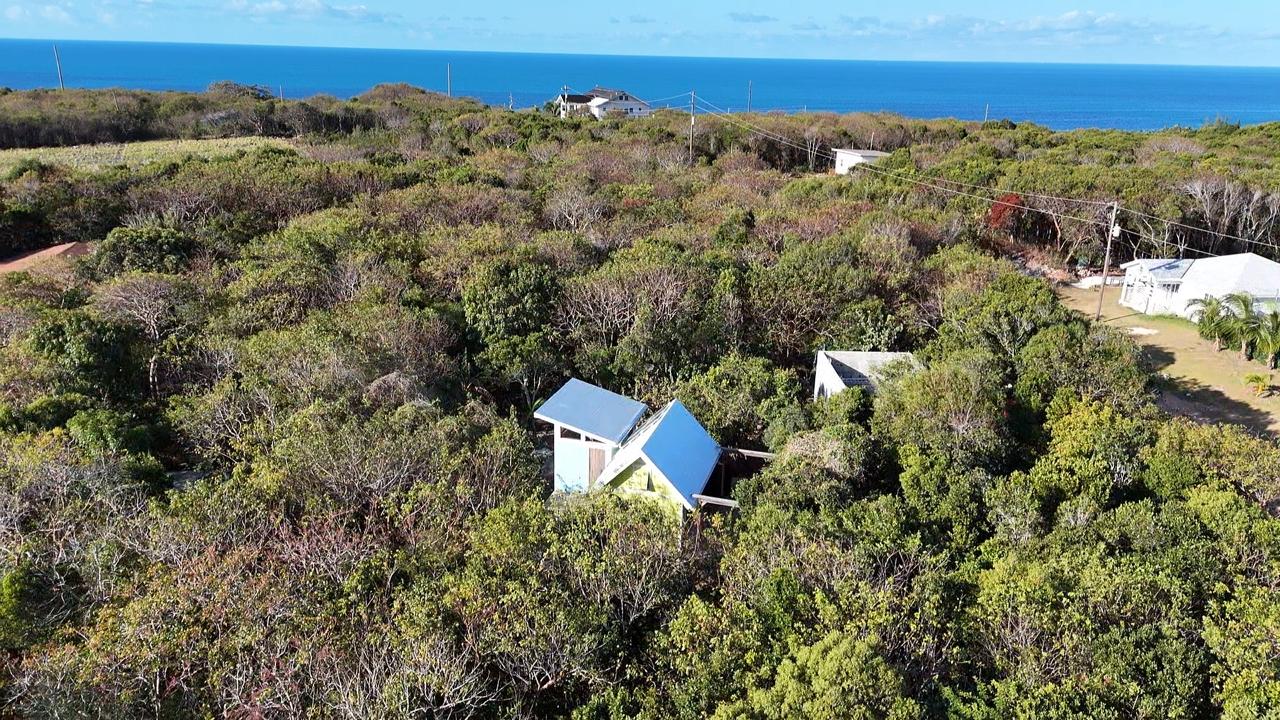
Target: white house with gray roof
[(848, 158), (1167, 286), (601, 102), (836, 371)]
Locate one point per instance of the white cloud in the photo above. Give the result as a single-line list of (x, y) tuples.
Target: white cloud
[(308, 10), (1076, 28), (15, 13), (746, 17), (54, 13)]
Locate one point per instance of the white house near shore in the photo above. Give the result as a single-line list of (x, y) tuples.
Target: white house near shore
[(1166, 286), (600, 102), (600, 444), (836, 371), (847, 159)]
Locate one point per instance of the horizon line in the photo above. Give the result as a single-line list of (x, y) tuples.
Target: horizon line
[(302, 46)]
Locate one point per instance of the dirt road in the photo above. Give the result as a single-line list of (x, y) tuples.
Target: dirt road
[(1200, 383)]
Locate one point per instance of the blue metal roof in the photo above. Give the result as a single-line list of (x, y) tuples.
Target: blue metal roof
[(682, 450), (592, 410)]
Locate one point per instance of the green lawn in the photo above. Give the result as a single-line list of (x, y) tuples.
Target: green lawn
[(1196, 380), (136, 154)]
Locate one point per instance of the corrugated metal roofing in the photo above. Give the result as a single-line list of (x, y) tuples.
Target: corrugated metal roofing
[(592, 410), (680, 448), (1163, 269), (863, 153), (861, 368), (1242, 272)]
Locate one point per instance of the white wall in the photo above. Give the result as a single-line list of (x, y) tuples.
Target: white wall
[(629, 108), (1142, 292), (826, 381), (572, 462), (845, 161)]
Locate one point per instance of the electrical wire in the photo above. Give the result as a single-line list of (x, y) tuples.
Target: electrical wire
[(719, 112)]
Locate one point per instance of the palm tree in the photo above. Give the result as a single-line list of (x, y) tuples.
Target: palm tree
[(1244, 325), (1261, 384), (1213, 317), (1268, 337)]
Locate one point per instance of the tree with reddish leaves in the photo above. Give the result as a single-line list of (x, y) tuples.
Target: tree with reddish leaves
[(1006, 212)]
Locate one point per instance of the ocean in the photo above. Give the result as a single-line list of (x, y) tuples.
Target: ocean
[(1131, 97)]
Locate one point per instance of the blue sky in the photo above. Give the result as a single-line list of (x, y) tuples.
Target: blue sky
[(1224, 32)]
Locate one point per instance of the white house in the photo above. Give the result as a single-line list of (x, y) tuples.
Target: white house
[(669, 458), (589, 425), (572, 104), (1165, 287), (847, 158), (600, 103), (837, 371)]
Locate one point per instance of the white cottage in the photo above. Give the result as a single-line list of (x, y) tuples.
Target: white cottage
[(600, 102), (589, 425), (847, 159), (1165, 286), (837, 371)]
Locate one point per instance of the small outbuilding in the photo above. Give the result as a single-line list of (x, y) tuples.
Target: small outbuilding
[(669, 458), (589, 425), (1167, 286), (847, 159), (601, 445), (836, 371)]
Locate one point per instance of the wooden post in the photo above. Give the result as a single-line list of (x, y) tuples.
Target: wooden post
[(1113, 231), (693, 114)]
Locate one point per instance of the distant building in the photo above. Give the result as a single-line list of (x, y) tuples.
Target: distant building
[(837, 371), (1165, 287), (600, 445), (846, 159), (589, 424), (600, 103)]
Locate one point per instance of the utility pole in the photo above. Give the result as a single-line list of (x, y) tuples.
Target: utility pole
[(1113, 232), (511, 100), (448, 79), (986, 114), (693, 115), (748, 96), (57, 60)]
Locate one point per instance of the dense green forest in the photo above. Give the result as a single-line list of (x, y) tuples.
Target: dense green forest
[(268, 450)]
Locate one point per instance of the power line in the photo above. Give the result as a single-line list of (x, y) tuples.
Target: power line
[(1207, 231), (866, 167), (971, 186), (719, 112)]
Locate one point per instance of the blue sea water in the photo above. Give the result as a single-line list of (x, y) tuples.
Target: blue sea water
[(1137, 97)]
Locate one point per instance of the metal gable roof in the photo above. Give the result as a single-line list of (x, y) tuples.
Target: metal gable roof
[(1162, 269), (860, 368), (592, 410), (677, 445), (1224, 273), (1242, 272)]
